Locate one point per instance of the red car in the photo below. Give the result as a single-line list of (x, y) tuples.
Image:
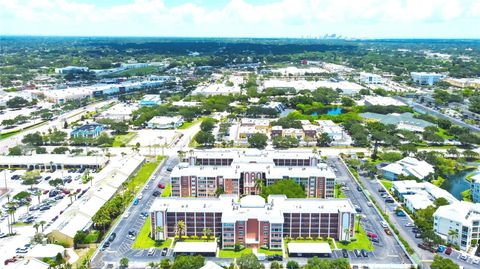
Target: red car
[(448, 251), (79, 190), (65, 191), (11, 260), (46, 191), (161, 186)]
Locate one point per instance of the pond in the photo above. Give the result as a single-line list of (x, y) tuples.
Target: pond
[(334, 111), (457, 183)]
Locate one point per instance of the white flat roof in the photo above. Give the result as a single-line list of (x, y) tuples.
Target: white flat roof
[(48, 250), (195, 247), (57, 159), (309, 248)]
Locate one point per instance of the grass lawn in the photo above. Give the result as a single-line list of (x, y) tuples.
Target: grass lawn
[(167, 191), (438, 182), (122, 140), (92, 237), (387, 184), (189, 124), (143, 174), (338, 192), (227, 253), (362, 241), (443, 134), (197, 240), (466, 195), (270, 252), (84, 256), (144, 241)]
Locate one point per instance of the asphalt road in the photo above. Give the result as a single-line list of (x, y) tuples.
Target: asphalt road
[(387, 250), (122, 245)]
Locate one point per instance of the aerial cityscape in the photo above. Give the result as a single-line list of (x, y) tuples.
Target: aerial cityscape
[(239, 134)]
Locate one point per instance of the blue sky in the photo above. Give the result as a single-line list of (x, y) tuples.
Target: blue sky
[(243, 18)]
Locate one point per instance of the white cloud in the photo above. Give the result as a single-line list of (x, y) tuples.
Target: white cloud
[(237, 14)]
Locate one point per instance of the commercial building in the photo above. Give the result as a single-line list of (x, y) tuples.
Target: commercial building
[(424, 78), (408, 166), (458, 223), (150, 100), (71, 70), (404, 121), (163, 122), (475, 188), (91, 130), (464, 82), (370, 78), (346, 87), (382, 101), (251, 221), (217, 89), (249, 126), (51, 161), (78, 216), (118, 112), (240, 171)]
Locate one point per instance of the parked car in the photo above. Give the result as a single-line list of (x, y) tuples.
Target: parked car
[(151, 251), (409, 224), (274, 257), (381, 190), (169, 169), (389, 200), (135, 202), (387, 231), (364, 253), (345, 253), (357, 253), (359, 188), (400, 213), (418, 235), (164, 251), (161, 186), (448, 250), (441, 248), (156, 193), (112, 237), (370, 204), (383, 224), (426, 247), (463, 256), (372, 236), (11, 260)]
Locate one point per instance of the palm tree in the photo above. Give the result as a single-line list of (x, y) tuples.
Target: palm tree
[(36, 226), (10, 212), (158, 230), (71, 196), (42, 223), (28, 204), (358, 223), (152, 265), (347, 233), (452, 234), (453, 152), (207, 232), (11, 205), (259, 185), (39, 195), (180, 228)]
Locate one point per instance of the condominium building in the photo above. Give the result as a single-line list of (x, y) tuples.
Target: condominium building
[(252, 221), (241, 172), (475, 188), (458, 223)]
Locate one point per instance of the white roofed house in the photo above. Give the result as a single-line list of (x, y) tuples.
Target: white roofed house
[(164, 122), (407, 167)]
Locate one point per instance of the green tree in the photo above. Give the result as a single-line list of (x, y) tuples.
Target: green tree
[(207, 125), (40, 150), (443, 263), (34, 139), (287, 187), (346, 101), (205, 139), (188, 262), (165, 264), (258, 140), (293, 265), (275, 265), (17, 102), (180, 229), (60, 150), (249, 261), (324, 140), (15, 151), (102, 218), (124, 262)]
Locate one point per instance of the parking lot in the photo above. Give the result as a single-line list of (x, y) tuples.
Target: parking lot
[(43, 205)]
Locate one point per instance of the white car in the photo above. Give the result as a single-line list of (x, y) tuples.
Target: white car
[(476, 261), (383, 224), (370, 204), (151, 251), (126, 215), (409, 224)]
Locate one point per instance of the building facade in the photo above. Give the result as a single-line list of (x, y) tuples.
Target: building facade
[(202, 173), (91, 130), (424, 78), (458, 223), (252, 222), (475, 188)]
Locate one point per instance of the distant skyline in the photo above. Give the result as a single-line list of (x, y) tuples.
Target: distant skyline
[(243, 18)]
